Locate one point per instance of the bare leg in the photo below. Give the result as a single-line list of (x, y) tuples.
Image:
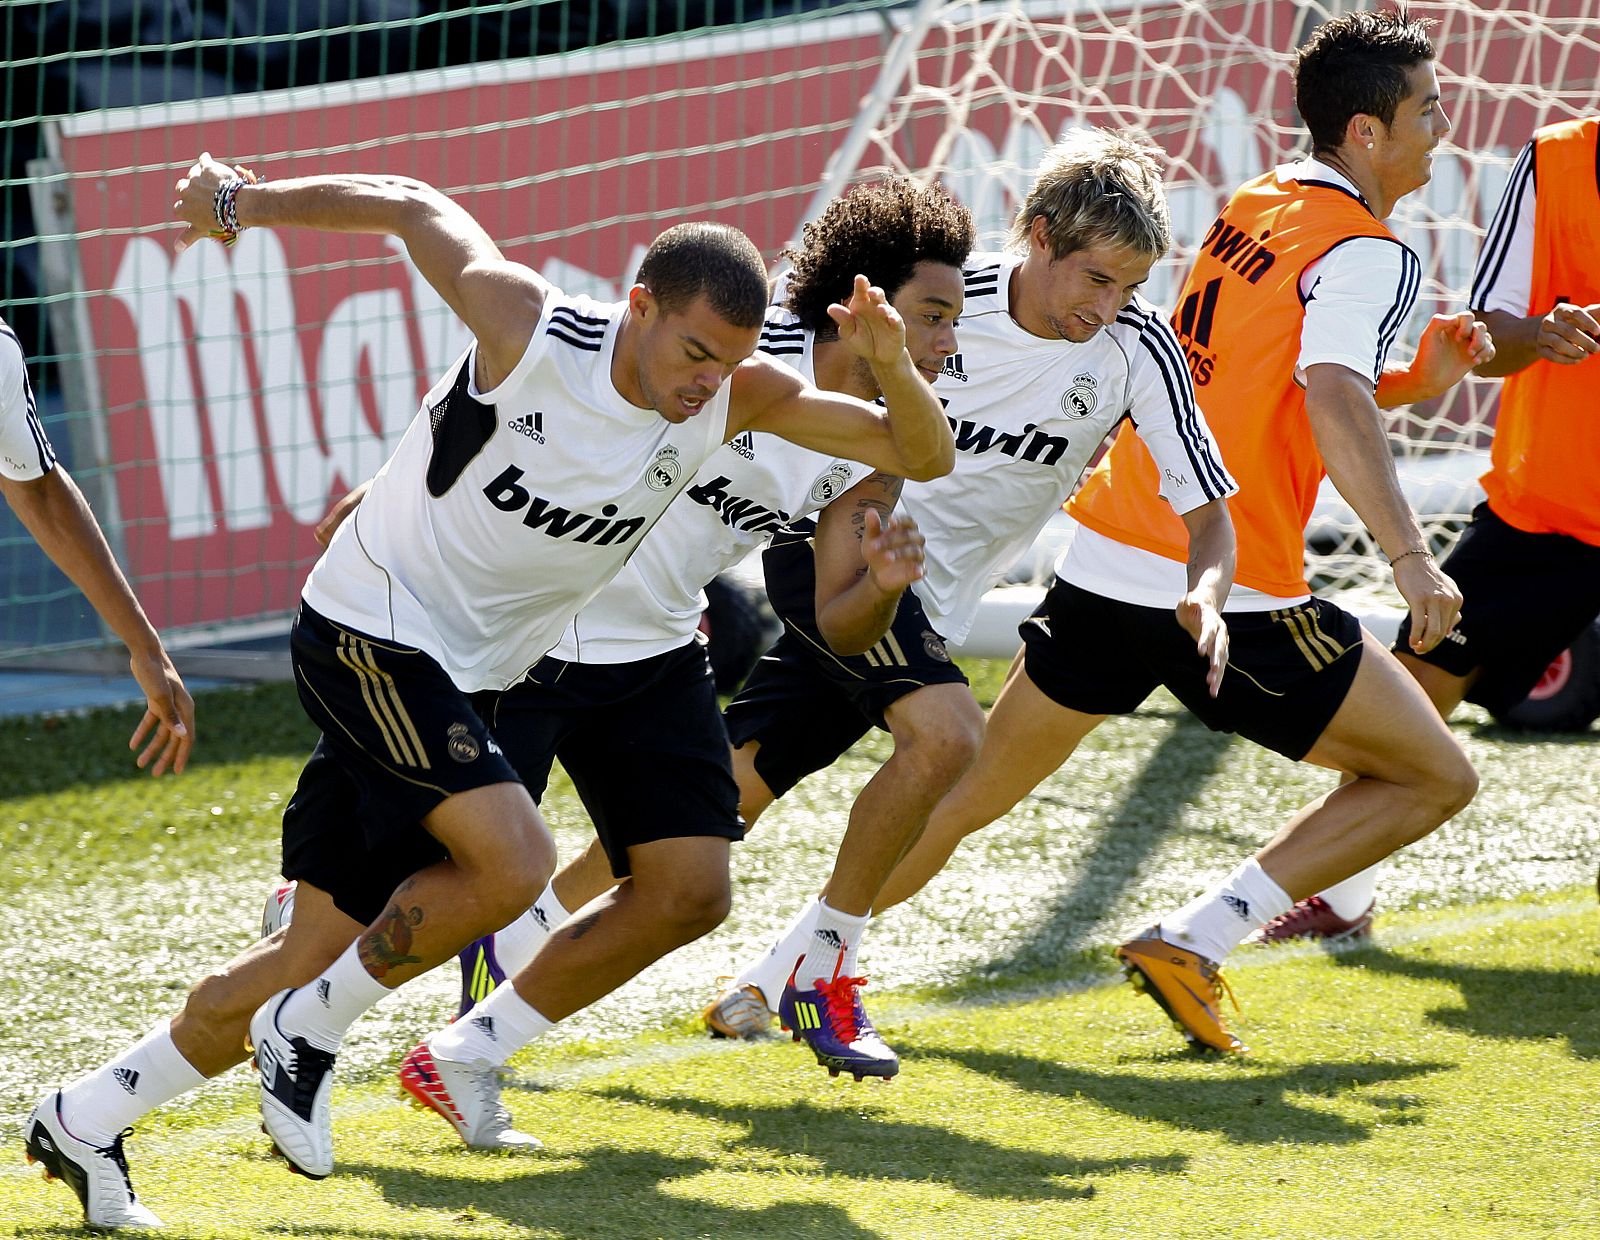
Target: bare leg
[(1027, 738), (210, 1031), (1409, 776), (937, 731), (677, 892), (501, 856)]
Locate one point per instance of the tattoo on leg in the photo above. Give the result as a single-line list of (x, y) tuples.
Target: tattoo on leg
[(577, 929), (387, 945)]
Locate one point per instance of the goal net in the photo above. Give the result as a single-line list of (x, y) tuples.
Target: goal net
[(215, 402)]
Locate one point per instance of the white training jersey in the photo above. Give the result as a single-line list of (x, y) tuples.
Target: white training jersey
[(1503, 279), (1357, 297), (1027, 414), (25, 452), (502, 513), (746, 491)]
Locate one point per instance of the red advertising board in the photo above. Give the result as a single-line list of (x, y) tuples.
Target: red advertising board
[(244, 389)]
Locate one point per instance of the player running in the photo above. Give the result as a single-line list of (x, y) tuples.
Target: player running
[(474, 549), (1287, 319), (1057, 348), (1529, 563), (627, 701)]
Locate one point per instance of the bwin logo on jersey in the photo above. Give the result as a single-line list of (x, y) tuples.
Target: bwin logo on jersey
[(737, 512), (662, 472), (529, 424), (1079, 400), (507, 494), (831, 485), (745, 445), (977, 439)]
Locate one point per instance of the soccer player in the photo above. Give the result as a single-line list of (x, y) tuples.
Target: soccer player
[(1529, 562), (476, 545), (1056, 348), (1287, 318), (49, 504), (633, 737)]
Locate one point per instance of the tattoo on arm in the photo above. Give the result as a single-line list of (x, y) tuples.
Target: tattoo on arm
[(387, 945)]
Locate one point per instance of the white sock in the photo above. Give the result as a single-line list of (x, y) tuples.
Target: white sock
[(323, 1009), (99, 1106), (1216, 922), (848, 967), (520, 942), (1354, 896), (832, 933), (494, 1030), (771, 973)]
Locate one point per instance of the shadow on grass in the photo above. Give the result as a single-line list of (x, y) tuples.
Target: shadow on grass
[(611, 1192), (1242, 1104), (1529, 1004), (916, 1153), (1150, 809), (48, 754)]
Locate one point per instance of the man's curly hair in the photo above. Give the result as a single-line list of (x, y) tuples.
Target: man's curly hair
[(881, 230)]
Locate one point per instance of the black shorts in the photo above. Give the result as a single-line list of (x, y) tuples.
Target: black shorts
[(643, 743), (397, 738), (804, 704), (1288, 670), (1528, 597)]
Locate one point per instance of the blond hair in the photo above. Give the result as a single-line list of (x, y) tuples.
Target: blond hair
[(1097, 187)]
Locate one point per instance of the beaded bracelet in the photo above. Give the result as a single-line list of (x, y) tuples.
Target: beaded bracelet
[(225, 207), (1413, 551)]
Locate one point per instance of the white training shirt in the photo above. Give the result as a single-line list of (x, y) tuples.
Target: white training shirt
[(25, 451), (502, 513), (1503, 279), (1357, 298), (746, 491), (1028, 413)]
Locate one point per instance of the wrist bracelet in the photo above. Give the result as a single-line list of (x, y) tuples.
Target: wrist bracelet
[(1413, 551), (225, 207)]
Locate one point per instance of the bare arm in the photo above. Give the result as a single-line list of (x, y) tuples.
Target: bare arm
[(1350, 436), (910, 437), (865, 558), (1211, 561), (1451, 347), (56, 514), (1567, 335), (499, 301)]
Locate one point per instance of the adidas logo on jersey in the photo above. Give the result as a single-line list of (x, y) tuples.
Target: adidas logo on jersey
[(127, 1078), (507, 494), (745, 445), (737, 513), (952, 367), (324, 990), (529, 424)]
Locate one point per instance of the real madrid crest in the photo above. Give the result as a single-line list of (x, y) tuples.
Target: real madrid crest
[(664, 470), (461, 743), (831, 484), (1079, 400)]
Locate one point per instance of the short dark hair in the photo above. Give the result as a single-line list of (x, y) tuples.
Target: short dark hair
[(880, 230), (1357, 64), (711, 259)]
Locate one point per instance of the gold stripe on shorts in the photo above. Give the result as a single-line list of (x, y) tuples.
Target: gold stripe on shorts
[(383, 700)]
